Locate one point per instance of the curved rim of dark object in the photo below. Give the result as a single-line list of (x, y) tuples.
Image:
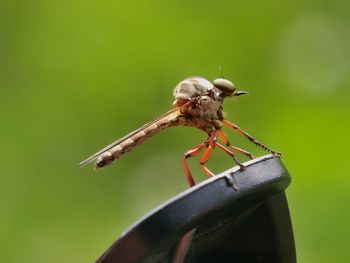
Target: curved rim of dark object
[(181, 213)]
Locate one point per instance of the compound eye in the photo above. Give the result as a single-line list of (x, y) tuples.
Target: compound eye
[(225, 86)]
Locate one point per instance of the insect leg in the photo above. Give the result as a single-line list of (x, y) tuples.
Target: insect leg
[(224, 139), (222, 148), (250, 138), (207, 154), (191, 153)]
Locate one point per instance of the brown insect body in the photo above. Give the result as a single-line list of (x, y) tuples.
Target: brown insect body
[(198, 103)]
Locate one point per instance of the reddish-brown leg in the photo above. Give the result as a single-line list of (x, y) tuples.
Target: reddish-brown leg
[(250, 138), (206, 170), (207, 154), (191, 153), (222, 148), (224, 139)]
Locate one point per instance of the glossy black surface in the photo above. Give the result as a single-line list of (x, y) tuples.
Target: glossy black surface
[(238, 216)]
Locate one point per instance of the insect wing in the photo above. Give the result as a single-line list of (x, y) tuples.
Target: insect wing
[(176, 112)]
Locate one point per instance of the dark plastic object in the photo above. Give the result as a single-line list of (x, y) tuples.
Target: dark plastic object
[(237, 216)]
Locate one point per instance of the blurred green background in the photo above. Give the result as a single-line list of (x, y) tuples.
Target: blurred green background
[(76, 75)]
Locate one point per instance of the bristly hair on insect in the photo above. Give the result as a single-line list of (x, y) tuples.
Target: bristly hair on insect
[(220, 70)]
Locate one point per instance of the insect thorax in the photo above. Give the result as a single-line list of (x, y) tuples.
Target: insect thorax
[(203, 91), (192, 87)]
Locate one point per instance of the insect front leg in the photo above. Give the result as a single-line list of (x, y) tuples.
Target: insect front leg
[(250, 138)]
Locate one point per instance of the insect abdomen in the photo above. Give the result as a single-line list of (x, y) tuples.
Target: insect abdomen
[(136, 139)]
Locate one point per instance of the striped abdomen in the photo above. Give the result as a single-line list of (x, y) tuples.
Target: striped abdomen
[(127, 143)]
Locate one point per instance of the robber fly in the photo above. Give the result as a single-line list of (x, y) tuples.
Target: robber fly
[(199, 104)]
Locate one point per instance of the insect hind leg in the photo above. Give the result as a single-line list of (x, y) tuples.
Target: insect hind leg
[(208, 152), (234, 157), (224, 139), (191, 153)]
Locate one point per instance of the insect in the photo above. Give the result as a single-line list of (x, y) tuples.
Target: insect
[(199, 104)]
